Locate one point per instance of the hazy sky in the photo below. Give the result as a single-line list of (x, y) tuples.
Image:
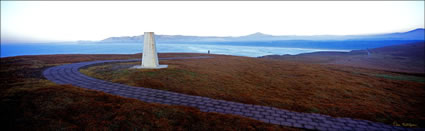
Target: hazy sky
[(96, 20)]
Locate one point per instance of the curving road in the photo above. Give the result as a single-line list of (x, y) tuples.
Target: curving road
[(69, 74)]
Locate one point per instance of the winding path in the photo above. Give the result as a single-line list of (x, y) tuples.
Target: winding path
[(69, 74)]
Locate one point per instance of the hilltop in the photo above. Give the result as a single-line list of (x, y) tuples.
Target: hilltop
[(408, 58), (29, 101)]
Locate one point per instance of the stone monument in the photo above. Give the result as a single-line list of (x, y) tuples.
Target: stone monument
[(150, 56)]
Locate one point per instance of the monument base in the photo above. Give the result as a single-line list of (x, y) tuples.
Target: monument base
[(144, 67)]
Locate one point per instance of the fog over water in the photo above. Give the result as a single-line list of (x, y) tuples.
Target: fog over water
[(131, 48)]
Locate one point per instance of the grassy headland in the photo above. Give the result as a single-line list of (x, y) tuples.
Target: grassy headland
[(327, 89), (29, 102)]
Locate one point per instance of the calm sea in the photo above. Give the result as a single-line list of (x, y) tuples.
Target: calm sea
[(131, 48)]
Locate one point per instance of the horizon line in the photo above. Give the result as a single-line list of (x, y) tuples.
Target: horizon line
[(70, 41)]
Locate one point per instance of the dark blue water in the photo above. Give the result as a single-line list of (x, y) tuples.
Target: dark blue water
[(320, 44), (250, 48), (37, 49), (131, 48)]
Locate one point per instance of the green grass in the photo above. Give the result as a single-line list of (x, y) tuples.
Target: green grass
[(400, 77), (392, 77)]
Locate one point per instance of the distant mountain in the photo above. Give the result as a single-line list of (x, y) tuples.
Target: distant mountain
[(417, 34), (258, 34), (124, 39), (162, 38)]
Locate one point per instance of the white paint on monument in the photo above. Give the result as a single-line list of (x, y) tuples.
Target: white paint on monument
[(150, 56)]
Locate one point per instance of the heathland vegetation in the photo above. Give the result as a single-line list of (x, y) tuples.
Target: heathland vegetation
[(339, 91), (29, 102), (325, 83)]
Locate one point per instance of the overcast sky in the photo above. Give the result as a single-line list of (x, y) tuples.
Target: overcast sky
[(96, 20)]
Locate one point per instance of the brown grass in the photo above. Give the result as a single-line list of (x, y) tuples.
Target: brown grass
[(407, 58), (28, 102), (333, 90)]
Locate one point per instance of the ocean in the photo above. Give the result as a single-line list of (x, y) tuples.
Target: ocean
[(8, 50)]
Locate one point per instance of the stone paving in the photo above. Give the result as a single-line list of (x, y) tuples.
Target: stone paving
[(69, 74)]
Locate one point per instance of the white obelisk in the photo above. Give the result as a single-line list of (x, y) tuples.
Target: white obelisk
[(150, 56)]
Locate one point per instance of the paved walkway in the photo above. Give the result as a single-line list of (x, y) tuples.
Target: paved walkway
[(69, 74)]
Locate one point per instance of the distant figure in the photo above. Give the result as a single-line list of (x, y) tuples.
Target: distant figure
[(368, 52), (208, 51)]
